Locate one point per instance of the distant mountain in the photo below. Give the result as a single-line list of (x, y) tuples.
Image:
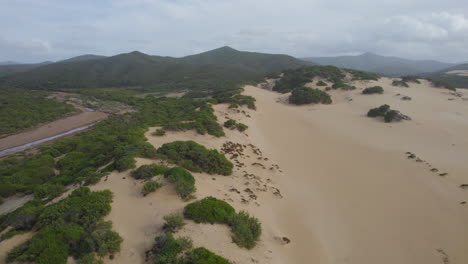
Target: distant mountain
[(137, 69), (8, 69), (259, 61), (85, 57), (8, 62), (456, 75), (387, 66)]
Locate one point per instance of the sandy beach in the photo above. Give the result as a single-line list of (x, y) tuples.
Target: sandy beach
[(336, 183)]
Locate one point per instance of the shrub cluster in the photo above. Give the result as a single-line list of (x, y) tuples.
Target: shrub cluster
[(361, 75), (442, 84), (173, 222), (146, 172), (71, 227), (378, 111), (373, 90), (245, 228), (159, 132), (150, 186), (321, 83), (209, 210), (195, 157), (170, 250), (388, 114), (296, 78), (183, 180), (410, 78), (232, 124), (304, 95)]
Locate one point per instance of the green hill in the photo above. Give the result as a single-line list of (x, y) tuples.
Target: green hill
[(384, 65), (457, 76), (219, 67), (257, 61)]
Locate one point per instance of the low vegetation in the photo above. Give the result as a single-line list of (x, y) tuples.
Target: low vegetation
[(150, 186), (304, 95), (362, 75), (442, 84), (170, 250), (232, 124), (378, 111), (388, 114), (195, 157), (183, 180), (173, 222), (321, 83), (296, 78), (159, 132), (71, 227), (410, 78), (22, 109), (145, 172), (209, 210), (246, 229), (373, 90)]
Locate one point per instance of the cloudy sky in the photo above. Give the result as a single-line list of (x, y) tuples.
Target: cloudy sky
[(38, 30)]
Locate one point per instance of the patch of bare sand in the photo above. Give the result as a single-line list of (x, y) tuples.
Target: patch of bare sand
[(9, 244), (349, 184)]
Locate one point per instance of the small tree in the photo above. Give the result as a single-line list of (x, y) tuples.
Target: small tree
[(173, 222), (150, 186), (230, 123), (159, 132)]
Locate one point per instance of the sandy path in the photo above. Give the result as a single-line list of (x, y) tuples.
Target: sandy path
[(349, 183), (9, 244)]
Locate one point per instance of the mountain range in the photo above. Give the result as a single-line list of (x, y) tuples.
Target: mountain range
[(136, 69), (386, 66)]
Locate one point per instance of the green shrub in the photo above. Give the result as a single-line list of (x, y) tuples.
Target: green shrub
[(246, 229), (230, 123), (159, 132), (48, 190), (361, 75), (150, 186), (378, 111), (373, 90), (304, 95), (173, 222), (167, 249), (321, 83), (146, 172), (195, 157), (89, 259), (209, 210), (71, 227), (241, 127), (183, 180), (204, 256), (410, 78), (390, 115)]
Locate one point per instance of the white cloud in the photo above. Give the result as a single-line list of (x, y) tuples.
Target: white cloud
[(53, 29)]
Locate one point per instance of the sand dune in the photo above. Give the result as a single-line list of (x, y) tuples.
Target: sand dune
[(336, 183), (357, 191)]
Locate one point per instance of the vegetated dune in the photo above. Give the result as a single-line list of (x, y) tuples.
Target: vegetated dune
[(252, 188), (337, 184)]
